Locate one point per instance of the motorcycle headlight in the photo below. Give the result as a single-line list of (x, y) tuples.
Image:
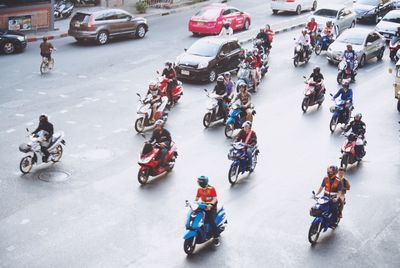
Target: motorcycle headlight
[(202, 65)]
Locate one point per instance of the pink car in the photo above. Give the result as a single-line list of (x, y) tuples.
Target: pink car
[(209, 20)]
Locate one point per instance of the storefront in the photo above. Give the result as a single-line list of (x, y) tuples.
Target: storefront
[(26, 15)]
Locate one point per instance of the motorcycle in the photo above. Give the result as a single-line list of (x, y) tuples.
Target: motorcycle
[(394, 46), (310, 97), (322, 214), (144, 113), (348, 150), (235, 120), (344, 70), (150, 160), (244, 76), (177, 91), (63, 9), (341, 113), (264, 53), (199, 232), (322, 43), (32, 148), (299, 57), (87, 2), (213, 113), (240, 162)]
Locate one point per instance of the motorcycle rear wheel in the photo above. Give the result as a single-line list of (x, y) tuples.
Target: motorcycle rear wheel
[(189, 245), (318, 49), (304, 104), (233, 174), (58, 154), (333, 124), (254, 163), (296, 61), (313, 233), (229, 128), (345, 161), (339, 78), (143, 177), (207, 120), (25, 165), (139, 125)]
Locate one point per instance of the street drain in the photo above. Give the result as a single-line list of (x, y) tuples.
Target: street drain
[(96, 154), (54, 176)]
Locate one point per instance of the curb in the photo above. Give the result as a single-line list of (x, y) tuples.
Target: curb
[(289, 28), (31, 39), (175, 10)]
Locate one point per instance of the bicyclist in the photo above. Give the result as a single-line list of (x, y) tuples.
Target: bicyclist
[(45, 50)]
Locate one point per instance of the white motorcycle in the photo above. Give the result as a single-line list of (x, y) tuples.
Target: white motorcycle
[(213, 113), (144, 113), (32, 149)]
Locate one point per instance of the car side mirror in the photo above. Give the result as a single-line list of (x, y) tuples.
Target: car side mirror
[(129, 18), (341, 17)]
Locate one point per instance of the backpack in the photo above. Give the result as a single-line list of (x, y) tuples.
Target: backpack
[(346, 184)]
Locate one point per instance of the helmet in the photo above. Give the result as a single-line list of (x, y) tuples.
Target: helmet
[(255, 51), (249, 54), (243, 84), (312, 19), (168, 63), (317, 70), (329, 23), (261, 29), (349, 46), (227, 24), (159, 122), (43, 117), (304, 30), (358, 117), (152, 85), (227, 74), (332, 171), (246, 124), (346, 83), (202, 181), (220, 78)]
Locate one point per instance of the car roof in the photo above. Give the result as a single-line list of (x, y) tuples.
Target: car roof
[(395, 11), (218, 40), (332, 7), (358, 31)]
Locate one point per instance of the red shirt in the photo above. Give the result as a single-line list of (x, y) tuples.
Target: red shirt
[(206, 194), (312, 26)]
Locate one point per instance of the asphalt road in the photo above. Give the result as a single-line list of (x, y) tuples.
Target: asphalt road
[(95, 214)]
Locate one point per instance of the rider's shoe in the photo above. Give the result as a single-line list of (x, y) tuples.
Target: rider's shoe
[(216, 241)]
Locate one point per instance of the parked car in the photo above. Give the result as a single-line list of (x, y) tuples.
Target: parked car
[(103, 24), (11, 42), (207, 58), (388, 25), (341, 17), (293, 5), (366, 43), (371, 10), (209, 20)]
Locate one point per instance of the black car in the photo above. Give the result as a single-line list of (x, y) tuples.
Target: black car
[(207, 58), (11, 42), (372, 10)]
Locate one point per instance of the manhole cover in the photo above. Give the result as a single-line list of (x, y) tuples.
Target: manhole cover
[(54, 176), (96, 154)]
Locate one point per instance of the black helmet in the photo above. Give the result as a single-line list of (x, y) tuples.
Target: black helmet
[(227, 24), (168, 63), (358, 117), (43, 118), (316, 70), (202, 181), (332, 171)]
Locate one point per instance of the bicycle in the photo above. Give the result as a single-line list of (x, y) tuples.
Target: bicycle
[(46, 65)]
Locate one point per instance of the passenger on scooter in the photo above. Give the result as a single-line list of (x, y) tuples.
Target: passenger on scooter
[(270, 35), (229, 84), (154, 96), (346, 187), (220, 90), (248, 137), (332, 187), (163, 138), (256, 64), (245, 101), (252, 62), (207, 194), (262, 35), (350, 56), (47, 127), (305, 41), (170, 73), (358, 127), (312, 27), (318, 78), (328, 31), (226, 30)]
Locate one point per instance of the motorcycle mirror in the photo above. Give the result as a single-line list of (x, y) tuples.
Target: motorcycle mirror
[(27, 130), (331, 94), (142, 134), (186, 203), (185, 49), (157, 72), (313, 192), (390, 70), (205, 90), (304, 77), (138, 95)]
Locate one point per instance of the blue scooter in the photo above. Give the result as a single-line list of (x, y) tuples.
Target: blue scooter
[(341, 113), (322, 214), (240, 163), (322, 44), (198, 232), (235, 119)]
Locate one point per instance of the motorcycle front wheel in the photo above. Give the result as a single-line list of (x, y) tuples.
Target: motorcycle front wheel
[(57, 154), (207, 120), (229, 128), (139, 125), (318, 49), (296, 61), (254, 163), (340, 77), (304, 104), (143, 176), (345, 161), (26, 164), (233, 174), (333, 124), (313, 233), (189, 245)]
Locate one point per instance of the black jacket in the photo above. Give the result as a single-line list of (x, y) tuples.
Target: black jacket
[(46, 126), (357, 127), (161, 137)]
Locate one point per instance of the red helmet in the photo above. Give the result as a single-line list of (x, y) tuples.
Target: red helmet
[(332, 171)]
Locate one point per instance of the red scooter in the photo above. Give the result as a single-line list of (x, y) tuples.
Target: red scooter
[(394, 46), (348, 150), (150, 160), (177, 91)]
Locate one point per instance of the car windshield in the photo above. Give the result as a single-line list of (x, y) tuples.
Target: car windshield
[(208, 13), (330, 13), (392, 17), (369, 2), (204, 49), (353, 38)]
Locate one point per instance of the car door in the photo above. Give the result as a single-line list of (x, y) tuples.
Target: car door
[(372, 45), (125, 23), (307, 4), (223, 58), (233, 56), (228, 15), (239, 18), (109, 22)]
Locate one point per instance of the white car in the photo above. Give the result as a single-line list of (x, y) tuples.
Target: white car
[(389, 24), (341, 17), (293, 5)]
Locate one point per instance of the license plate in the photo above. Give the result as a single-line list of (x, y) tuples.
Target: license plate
[(200, 23), (184, 72), (77, 24)]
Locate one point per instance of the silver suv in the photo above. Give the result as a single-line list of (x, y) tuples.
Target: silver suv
[(101, 25)]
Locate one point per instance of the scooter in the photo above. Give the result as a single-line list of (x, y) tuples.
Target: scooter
[(63, 9), (344, 71), (235, 119), (213, 113), (264, 53), (144, 113), (177, 91), (244, 76), (394, 46), (34, 154), (310, 97), (241, 163), (299, 57), (323, 217), (197, 231), (341, 113), (322, 43), (348, 150), (150, 160)]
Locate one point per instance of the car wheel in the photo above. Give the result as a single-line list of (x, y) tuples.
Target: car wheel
[(362, 61), (8, 48), (212, 76), (102, 37), (380, 54), (314, 6), (298, 10), (274, 11), (140, 31), (246, 25)]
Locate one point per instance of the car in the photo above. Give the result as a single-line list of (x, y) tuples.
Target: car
[(396, 4), (103, 24), (389, 24), (293, 5), (209, 20), (366, 43), (341, 17), (371, 10), (207, 58), (11, 42)]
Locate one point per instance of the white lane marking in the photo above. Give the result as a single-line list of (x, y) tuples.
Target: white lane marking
[(64, 111), (11, 130), (71, 122), (19, 89), (126, 80), (11, 248), (42, 93), (79, 105), (43, 232), (19, 115), (82, 76), (82, 146), (63, 96), (25, 221), (98, 126), (29, 124)]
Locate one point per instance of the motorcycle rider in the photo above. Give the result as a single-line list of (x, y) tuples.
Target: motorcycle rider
[(226, 30), (170, 73), (328, 31), (220, 90), (350, 56), (332, 187), (304, 41), (312, 27), (318, 78), (47, 127), (357, 127), (154, 96), (270, 35), (46, 48), (248, 137), (207, 194), (245, 101), (256, 64), (229, 84), (345, 93), (252, 62), (163, 138), (263, 36)]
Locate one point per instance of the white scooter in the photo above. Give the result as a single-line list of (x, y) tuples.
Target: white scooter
[(144, 113)]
